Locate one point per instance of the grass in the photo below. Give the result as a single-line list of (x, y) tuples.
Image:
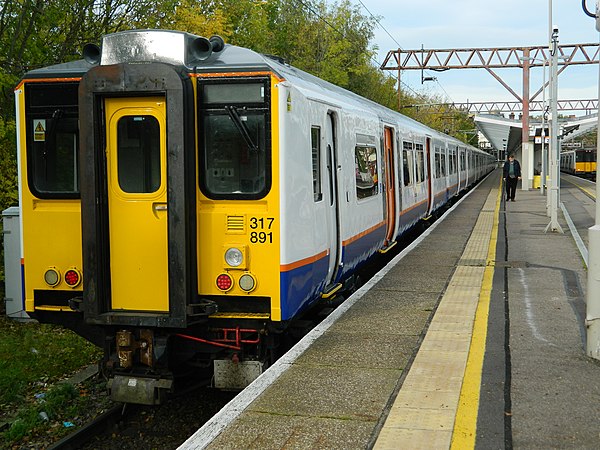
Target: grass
[(34, 359)]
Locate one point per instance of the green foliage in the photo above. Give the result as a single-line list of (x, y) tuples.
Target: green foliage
[(449, 120), (62, 402), (8, 164), (329, 40), (33, 358), (32, 353), (589, 139)]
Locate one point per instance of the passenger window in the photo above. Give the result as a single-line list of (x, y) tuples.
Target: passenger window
[(452, 161), (138, 154), (443, 162), (420, 163), (407, 164), (455, 156), (366, 169), (315, 137)]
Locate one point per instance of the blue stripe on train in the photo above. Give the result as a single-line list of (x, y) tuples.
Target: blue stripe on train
[(302, 286)]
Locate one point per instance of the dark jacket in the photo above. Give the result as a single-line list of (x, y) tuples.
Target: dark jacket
[(517, 168)]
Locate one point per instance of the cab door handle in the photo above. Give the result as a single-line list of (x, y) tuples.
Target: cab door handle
[(159, 207)]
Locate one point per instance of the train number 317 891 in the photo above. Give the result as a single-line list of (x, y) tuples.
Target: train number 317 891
[(261, 223)]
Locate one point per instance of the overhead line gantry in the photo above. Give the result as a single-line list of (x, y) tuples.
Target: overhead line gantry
[(494, 58)]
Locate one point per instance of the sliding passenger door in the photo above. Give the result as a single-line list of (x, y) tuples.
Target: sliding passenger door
[(390, 183), (429, 176), (333, 212)]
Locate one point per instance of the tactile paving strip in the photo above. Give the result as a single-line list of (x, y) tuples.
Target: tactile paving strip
[(424, 412)]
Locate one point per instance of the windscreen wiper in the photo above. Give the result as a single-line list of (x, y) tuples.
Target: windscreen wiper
[(241, 126)]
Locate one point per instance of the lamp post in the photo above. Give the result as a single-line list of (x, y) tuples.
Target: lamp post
[(553, 150)]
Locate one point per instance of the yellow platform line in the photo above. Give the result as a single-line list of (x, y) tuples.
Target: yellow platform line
[(465, 425), (441, 391), (583, 188)]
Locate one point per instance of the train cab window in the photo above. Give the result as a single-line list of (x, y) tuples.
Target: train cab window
[(407, 163), (138, 154), (315, 141), (420, 154), (52, 128), (234, 126), (366, 170)]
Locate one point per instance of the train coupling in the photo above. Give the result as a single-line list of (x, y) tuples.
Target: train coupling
[(139, 390)]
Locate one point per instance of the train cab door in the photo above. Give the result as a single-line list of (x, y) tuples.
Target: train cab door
[(137, 203), (333, 213), (429, 176), (390, 184)]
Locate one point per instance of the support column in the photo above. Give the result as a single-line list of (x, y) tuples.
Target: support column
[(527, 150), (592, 319)]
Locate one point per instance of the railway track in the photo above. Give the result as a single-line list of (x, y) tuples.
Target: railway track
[(135, 426), (96, 427)]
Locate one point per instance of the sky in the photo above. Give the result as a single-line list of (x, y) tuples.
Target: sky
[(461, 24)]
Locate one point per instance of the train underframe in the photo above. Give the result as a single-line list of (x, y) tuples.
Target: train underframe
[(143, 365)]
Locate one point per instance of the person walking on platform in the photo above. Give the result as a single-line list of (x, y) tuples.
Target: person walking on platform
[(512, 174)]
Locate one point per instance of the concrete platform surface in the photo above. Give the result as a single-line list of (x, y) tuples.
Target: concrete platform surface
[(472, 337)]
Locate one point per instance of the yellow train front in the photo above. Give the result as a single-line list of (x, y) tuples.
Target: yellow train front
[(162, 257)]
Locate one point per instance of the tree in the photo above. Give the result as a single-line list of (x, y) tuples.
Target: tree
[(8, 164), (36, 33)]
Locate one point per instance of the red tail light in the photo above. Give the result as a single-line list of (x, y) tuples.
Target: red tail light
[(224, 282), (72, 277)]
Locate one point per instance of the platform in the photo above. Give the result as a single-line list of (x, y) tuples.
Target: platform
[(472, 337)]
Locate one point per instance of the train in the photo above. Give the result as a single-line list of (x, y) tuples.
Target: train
[(184, 202), (580, 162)]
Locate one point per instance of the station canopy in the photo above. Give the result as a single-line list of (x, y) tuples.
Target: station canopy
[(502, 133), (506, 134)]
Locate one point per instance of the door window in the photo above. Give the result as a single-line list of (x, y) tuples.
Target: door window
[(138, 154)]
